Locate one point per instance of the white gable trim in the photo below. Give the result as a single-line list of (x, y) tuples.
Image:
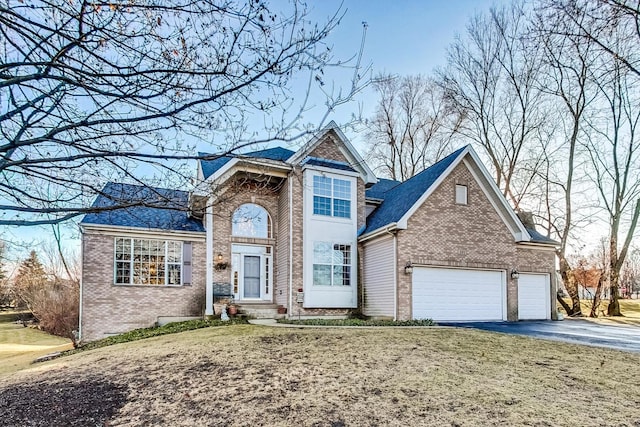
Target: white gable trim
[(345, 148), (492, 193), (520, 233)]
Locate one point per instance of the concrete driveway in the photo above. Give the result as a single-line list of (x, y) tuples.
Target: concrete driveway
[(575, 331)]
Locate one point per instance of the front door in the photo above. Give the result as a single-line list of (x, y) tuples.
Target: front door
[(251, 272), (251, 277)]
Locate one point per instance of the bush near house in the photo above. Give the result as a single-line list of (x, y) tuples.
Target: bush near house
[(358, 322)]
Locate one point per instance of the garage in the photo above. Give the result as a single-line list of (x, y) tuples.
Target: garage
[(534, 297), (447, 294)]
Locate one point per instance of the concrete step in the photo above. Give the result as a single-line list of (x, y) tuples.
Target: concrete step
[(259, 310)]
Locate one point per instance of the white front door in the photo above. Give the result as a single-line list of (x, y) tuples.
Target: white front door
[(251, 267)]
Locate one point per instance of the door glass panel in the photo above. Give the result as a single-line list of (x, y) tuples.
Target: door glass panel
[(251, 277)]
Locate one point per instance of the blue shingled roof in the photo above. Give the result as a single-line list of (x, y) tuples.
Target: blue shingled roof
[(378, 190), (333, 164), (162, 208), (536, 237), (400, 198), (209, 167)]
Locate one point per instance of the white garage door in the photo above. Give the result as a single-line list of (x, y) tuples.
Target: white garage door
[(533, 297), (445, 294)]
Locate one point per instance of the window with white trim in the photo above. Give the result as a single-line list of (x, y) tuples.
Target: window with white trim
[(148, 262), (461, 194), (331, 197), (331, 264)]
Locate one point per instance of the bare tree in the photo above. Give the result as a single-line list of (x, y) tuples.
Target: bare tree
[(567, 63), (615, 156), (411, 127), (90, 90), (491, 81)]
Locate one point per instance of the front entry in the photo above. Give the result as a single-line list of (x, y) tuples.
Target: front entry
[(251, 269)]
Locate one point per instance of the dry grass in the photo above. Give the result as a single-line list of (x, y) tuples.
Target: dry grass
[(252, 375), (630, 309), (19, 346)]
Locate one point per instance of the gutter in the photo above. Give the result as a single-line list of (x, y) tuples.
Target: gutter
[(375, 233)]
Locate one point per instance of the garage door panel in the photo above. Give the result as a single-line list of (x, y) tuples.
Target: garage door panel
[(533, 297), (458, 295)]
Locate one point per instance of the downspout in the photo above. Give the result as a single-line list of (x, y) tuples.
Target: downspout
[(209, 276), (290, 299)]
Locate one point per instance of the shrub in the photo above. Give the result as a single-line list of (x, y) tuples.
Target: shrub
[(358, 322)]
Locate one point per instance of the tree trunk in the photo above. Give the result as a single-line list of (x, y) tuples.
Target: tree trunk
[(564, 305), (597, 297), (571, 286), (614, 294)]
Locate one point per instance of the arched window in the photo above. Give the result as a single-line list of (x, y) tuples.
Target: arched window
[(251, 220)]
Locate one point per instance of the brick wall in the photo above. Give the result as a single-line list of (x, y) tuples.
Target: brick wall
[(111, 309), (230, 200), (443, 233)]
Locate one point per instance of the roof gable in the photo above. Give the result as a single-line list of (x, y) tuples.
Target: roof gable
[(345, 147), (400, 198), (401, 201), (209, 167), (158, 208)]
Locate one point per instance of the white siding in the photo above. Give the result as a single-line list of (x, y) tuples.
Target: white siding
[(378, 277)]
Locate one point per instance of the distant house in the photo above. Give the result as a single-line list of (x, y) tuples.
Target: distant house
[(315, 232)]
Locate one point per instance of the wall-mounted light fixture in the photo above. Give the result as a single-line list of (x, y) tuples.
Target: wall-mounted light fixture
[(408, 269), (515, 274), (219, 257)]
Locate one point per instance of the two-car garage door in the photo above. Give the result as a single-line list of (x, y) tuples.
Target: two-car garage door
[(447, 294)]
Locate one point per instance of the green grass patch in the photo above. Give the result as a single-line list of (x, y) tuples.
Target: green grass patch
[(358, 322), (140, 334)]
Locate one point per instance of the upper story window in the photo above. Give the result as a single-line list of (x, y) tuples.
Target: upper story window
[(331, 197), (461, 194), (148, 262), (251, 220)]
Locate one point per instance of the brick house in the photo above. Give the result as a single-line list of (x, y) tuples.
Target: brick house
[(314, 231)]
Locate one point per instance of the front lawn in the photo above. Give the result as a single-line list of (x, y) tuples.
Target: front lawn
[(255, 375), (19, 346)]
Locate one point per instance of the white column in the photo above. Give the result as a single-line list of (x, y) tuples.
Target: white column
[(209, 242)]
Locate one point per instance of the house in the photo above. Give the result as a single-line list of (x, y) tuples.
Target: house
[(314, 231)]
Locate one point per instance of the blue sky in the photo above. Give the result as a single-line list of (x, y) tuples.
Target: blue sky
[(403, 37)]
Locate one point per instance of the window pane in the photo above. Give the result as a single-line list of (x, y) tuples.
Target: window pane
[(342, 189), (174, 251), (123, 249), (250, 220), (321, 186), (321, 253), (174, 274), (322, 275), (341, 208), (341, 275), (321, 205), (123, 273), (341, 254)]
